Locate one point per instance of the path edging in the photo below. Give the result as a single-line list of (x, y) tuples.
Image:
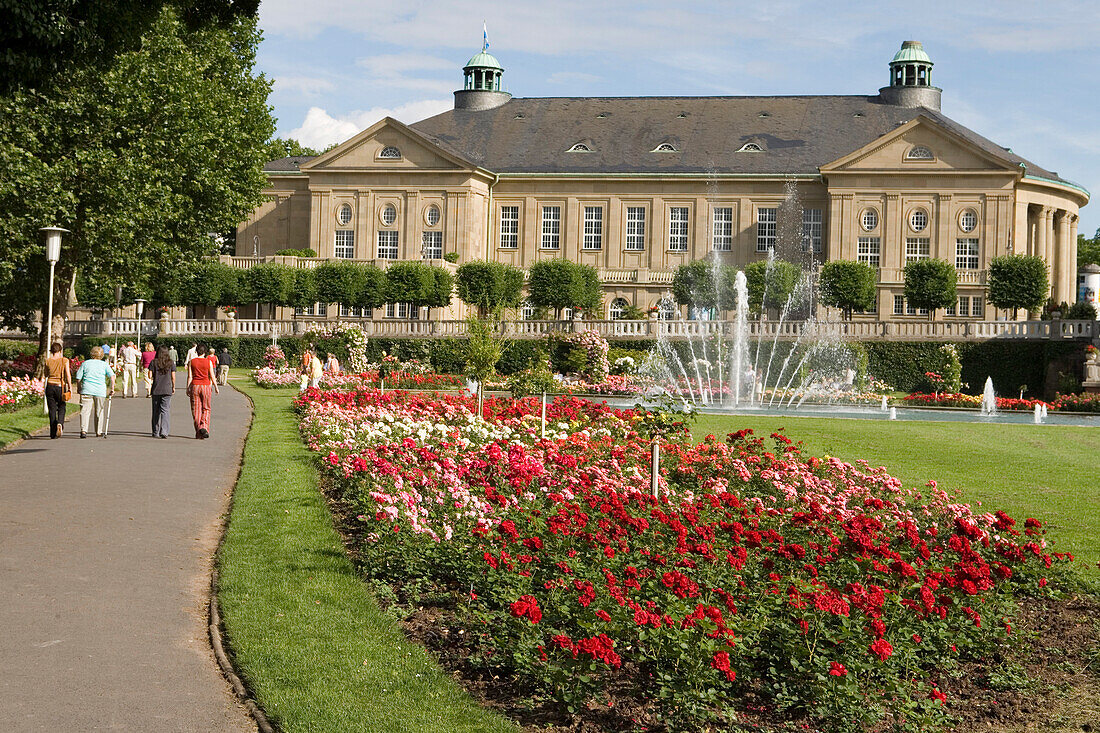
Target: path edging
[(214, 616)]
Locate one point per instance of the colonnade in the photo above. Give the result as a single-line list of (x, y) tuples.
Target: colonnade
[(1052, 235)]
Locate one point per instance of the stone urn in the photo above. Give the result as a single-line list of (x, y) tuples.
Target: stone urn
[(1092, 371)]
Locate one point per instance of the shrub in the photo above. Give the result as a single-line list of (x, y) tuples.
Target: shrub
[(296, 253), (1082, 310), (451, 257), (1018, 281)]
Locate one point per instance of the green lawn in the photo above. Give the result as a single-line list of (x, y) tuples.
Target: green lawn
[(1045, 471), (306, 635), (21, 423)]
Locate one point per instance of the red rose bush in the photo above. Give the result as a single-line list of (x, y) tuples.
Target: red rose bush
[(759, 584)]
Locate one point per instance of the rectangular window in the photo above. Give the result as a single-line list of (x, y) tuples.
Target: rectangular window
[(916, 248), (509, 227), (551, 227), (964, 306), (911, 311), (402, 310), (899, 305), (811, 230), (635, 228), (966, 254), (867, 250), (315, 309), (678, 229), (346, 312), (345, 244), (953, 310), (976, 307), (593, 227), (387, 245), (722, 231), (432, 245), (766, 229)]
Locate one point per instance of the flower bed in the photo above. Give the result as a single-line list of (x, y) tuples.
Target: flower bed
[(19, 391), (761, 586), (1062, 403), (281, 378)]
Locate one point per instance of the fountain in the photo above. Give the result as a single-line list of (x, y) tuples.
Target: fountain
[(884, 406), (989, 398), (893, 413), (1038, 414)]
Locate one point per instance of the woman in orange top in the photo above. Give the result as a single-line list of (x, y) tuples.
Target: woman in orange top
[(58, 382), (200, 380)]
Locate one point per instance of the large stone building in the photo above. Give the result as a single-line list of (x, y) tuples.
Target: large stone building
[(639, 185)]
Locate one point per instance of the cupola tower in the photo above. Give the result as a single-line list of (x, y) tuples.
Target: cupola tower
[(482, 83), (911, 79)]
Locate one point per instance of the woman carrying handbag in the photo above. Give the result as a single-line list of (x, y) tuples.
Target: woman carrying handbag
[(59, 389)]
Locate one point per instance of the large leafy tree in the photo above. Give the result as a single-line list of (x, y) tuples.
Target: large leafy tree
[(770, 284), (339, 282), (489, 285), (848, 285), (1018, 281), (419, 284), (559, 283), (286, 148), (43, 39), (931, 284), (141, 160), (1088, 250), (693, 284)]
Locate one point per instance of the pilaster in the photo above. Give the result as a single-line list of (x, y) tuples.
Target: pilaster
[(892, 251), (943, 247)]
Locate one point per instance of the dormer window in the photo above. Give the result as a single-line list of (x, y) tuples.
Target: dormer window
[(580, 148), (919, 153), (390, 153), (751, 148), (665, 148)]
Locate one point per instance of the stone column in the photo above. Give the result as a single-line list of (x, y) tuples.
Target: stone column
[(1071, 258), (1061, 261)]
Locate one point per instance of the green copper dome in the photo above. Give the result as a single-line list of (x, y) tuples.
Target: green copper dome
[(483, 60), (911, 52)]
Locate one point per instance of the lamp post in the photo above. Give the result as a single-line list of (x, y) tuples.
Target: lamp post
[(139, 303), (53, 254)]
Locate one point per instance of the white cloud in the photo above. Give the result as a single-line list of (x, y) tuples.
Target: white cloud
[(307, 85), (320, 129)]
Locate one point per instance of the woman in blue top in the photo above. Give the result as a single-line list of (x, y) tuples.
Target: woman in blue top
[(97, 381)]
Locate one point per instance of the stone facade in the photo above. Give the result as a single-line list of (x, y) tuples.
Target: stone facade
[(649, 184)]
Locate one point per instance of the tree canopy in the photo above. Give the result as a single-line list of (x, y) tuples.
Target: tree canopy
[(286, 148), (419, 283), (1018, 281), (930, 284), (141, 160), (1088, 250), (489, 285), (693, 285), (770, 285), (560, 283), (848, 285)]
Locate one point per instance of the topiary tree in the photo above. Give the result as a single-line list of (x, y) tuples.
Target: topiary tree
[(1018, 281), (848, 285), (559, 284), (443, 286), (410, 282), (339, 282), (373, 294), (268, 283), (489, 285), (303, 292), (694, 285), (930, 284), (770, 284)]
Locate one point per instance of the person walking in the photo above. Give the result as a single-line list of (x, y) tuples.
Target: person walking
[(59, 388), (130, 359), (213, 361), (315, 370), (147, 357), (191, 353), (332, 364), (199, 383), (97, 382), (225, 360), (174, 355), (163, 370)]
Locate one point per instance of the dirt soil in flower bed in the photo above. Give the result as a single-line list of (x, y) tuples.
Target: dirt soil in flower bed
[(1053, 684)]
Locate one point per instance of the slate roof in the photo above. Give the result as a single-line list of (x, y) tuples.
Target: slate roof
[(288, 165), (798, 133)]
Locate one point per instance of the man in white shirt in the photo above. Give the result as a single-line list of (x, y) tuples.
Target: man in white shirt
[(131, 357), (192, 353)]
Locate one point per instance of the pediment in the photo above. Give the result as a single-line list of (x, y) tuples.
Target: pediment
[(919, 146), (387, 145)]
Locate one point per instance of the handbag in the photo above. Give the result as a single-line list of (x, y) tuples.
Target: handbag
[(67, 386)]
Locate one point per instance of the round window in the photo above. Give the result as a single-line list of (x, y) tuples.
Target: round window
[(869, 219), (968, 221), (389, 214), (432, 215), (343, 214), (918, 220)]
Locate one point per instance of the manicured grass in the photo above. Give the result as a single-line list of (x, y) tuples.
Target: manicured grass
[(305, 633), (21, 423), (1045, 471)]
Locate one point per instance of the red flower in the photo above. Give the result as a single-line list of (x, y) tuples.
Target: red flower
[(937, 695), (721, 662), (881, 649), (527, 607), (836, 669)]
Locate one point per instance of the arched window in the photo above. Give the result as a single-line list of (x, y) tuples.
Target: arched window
[(617, 308), (919, 152), (390, 153), (665, 148), (527, 311), (666, 309), (343, 214), (580, 148), (751, 148)]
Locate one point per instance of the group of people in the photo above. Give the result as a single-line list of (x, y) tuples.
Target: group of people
[(311, 368), (96, 384)]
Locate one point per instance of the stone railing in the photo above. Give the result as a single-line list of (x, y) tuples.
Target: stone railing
[(896, 276), (642, 330)]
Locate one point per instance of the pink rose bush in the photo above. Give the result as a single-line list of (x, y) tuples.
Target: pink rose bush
[(19, 391), (759, 583)]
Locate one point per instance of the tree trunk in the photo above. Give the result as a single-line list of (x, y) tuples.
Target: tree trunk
[(63, 279)]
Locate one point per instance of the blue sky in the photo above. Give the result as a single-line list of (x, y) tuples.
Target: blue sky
[(1022, 73)]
